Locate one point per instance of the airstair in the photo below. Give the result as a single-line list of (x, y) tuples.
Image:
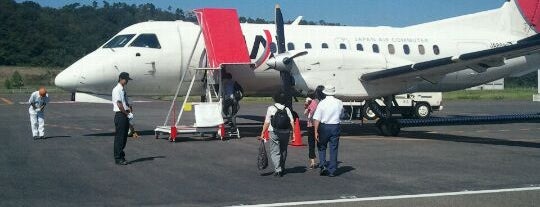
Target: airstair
[(226, 50)]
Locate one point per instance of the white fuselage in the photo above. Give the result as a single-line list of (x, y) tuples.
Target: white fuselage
[(349, 54)]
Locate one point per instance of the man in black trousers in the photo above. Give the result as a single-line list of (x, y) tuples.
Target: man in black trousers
[(122, 115)]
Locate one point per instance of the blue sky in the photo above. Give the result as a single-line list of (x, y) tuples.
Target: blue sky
[(349, 12)]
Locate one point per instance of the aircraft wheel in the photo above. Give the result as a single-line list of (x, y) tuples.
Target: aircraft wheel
[(388, 127), (368, 113)]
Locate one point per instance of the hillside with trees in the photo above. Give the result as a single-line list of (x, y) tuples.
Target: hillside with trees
[(32, 35)]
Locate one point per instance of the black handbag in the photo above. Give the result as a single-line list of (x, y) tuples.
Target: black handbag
[(262, 158)]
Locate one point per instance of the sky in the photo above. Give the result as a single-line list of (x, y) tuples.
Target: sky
[(348, 12)]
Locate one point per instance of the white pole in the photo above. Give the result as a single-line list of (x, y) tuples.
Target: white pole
[(536, 97), (182, 78)]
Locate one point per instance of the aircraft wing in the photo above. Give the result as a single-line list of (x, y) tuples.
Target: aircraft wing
[(434, 70)]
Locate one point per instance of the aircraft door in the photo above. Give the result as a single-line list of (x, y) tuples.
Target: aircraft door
[(146, 53)]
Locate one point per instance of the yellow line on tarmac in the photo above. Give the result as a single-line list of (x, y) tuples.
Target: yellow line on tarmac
[(7, 101)]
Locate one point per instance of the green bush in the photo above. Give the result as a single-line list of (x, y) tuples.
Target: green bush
[(7, 84), (16, 80)]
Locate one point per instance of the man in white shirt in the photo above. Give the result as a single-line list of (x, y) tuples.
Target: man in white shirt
[(122, 115), (327, 129), (37, 102), (279, 123)]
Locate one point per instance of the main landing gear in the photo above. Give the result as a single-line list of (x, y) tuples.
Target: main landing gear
[(387, 125)]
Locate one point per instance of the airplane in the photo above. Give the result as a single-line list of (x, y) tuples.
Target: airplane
[(363, 63)]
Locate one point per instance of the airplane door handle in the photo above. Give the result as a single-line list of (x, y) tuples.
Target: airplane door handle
[(137, 54), (153, 71)]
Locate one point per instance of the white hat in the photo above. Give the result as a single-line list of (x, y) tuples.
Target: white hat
[(329, 90)]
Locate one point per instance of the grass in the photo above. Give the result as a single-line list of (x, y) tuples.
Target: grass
[(32, 77), (30, 89), (506, 94)]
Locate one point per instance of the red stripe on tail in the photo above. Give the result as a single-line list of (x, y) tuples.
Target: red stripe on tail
[(531, 12)]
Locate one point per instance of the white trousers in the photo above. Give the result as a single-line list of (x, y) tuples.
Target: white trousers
[(37, 123)]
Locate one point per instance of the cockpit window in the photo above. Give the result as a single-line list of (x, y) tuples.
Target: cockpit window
[(119, 41), (146, 40)]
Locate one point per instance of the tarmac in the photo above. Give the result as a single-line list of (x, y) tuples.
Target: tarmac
[(481, 165)]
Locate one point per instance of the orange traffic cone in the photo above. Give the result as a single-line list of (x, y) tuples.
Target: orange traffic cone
[(297, 135), (173, 134), (222, 131)]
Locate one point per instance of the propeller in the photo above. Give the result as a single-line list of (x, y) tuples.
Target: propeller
[(282, 61)]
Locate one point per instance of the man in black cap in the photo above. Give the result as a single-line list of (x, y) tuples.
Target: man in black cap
[(122, 115)]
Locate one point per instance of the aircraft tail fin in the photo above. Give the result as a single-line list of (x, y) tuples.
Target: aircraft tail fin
[(530, 11)]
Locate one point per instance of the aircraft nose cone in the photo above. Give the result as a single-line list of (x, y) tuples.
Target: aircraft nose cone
[(67, 80)]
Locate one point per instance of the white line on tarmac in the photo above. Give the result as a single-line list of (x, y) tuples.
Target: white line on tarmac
[(52, 102), (431, 195), (72, 102), (380, 138)]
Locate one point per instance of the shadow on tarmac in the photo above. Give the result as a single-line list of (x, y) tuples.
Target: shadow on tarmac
[(296, 170), (145, 159), (467, 139), (369, 129), (55, 137), (111, 134), (343, 169)]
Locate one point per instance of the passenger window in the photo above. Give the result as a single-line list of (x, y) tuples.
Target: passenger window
[(308, 46), (273, 47), (421, 49), (324, 45), (406, 49), (146, 40), (119, 41), (359, 47), (342, 46), (375, 48), (391, 49), (290, 46), (436, 50)]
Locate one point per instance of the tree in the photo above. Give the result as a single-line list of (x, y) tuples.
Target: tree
[(16, 80), (7, 84), (32, 35)]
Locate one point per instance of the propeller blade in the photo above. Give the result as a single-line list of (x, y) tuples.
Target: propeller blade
[(299, 54), (280, 31), (286, 77), (289, 59), (287, 87)]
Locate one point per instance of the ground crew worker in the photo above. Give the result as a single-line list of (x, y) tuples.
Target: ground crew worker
[(121, 118), (327, 130), (38, 100)]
